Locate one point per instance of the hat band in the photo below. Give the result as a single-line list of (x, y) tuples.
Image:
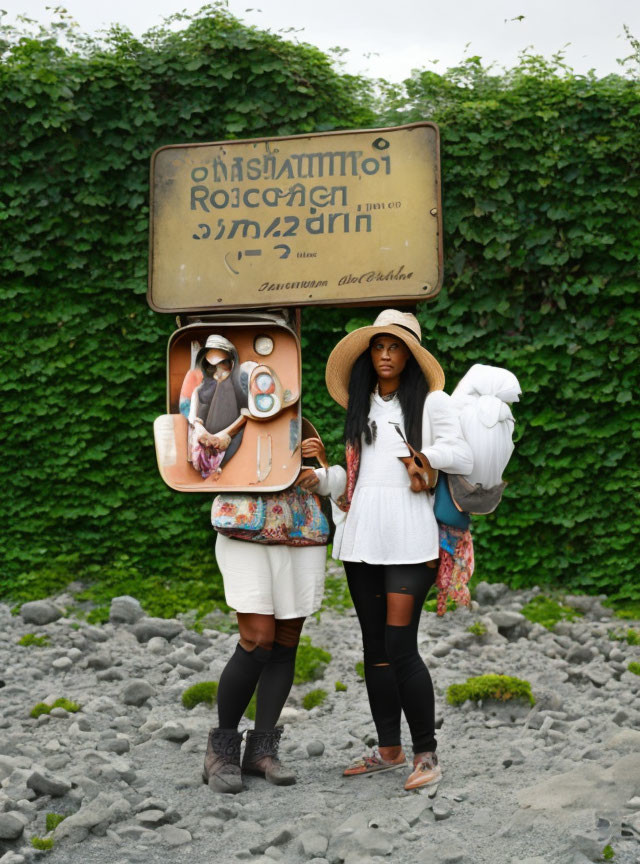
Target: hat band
[(409, 330)]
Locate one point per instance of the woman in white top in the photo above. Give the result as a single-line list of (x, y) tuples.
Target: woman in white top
[(392, 389)]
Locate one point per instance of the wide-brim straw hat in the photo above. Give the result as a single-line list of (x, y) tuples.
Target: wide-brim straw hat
[(405, 326)]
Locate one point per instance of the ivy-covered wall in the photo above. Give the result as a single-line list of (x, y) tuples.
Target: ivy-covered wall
[(541, 182)]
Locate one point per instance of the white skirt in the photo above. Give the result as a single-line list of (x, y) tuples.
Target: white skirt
[(285, 581)]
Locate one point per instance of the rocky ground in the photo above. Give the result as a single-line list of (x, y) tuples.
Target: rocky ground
[(555, 783)]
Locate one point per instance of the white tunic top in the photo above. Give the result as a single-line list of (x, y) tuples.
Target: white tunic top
[(387, 523)]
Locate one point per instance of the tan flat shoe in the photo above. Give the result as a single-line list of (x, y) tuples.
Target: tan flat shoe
[(426, 771), (370, 764)]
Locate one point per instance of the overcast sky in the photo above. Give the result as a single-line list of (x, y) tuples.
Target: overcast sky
[(389, 38)]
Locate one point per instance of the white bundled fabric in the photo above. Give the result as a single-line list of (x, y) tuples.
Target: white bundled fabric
[(482, 400)]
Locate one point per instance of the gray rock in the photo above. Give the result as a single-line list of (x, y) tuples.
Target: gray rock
[(157, 645), (125, 610), (315, 748), (147, 628), (12, 858), (488, 593), (274, 837), (504, 620), (172, 731), (312, 844), (40, 612), (580, 654), (583, 604), (62, 664), (95, 816), (173, 836), (598, 675), (137, 692), (150, 817), (45, 784), (101, 660), (442, 810), (11, 826), (114, 745)]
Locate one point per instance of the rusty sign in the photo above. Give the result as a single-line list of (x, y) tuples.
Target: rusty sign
[(338, 217)]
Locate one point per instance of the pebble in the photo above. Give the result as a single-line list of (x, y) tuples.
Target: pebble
[(62, 664), (442, 810), (137, 692), (315, 748)]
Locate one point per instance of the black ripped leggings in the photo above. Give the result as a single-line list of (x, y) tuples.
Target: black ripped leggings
[(395, 674)]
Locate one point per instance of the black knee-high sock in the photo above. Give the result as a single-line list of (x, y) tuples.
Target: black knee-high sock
[(275, 685), (237, 684)]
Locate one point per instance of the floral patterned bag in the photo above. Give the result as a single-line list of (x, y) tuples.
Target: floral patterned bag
[(290, 518), (244, 513)]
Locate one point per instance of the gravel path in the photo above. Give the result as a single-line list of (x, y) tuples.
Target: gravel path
[(555, 784)]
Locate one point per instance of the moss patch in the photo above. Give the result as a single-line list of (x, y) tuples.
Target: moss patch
[(313, 698), (608, 853), (336, 594), (250, 712), (501, 687), (43, 708), (204, 691), (42, 843), (54, 819), (340, 687), (546, 611), (631, 636), (311, 662), (360, 668), (634, 667), (31, 640), (478, 628)]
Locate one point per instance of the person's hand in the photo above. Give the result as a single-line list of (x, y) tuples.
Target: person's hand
[(220, 441), (313, 447), (422, 476), (308, 479)]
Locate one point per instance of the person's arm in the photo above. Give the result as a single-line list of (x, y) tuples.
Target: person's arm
[(331, 481), (445, 449)]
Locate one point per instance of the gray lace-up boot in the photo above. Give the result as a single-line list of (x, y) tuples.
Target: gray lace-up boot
[(261, 757), (222, 761)]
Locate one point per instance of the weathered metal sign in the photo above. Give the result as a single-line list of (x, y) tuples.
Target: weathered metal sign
[(339, 217)]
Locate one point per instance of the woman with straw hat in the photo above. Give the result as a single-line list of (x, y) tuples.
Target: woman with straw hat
[(400, 429)]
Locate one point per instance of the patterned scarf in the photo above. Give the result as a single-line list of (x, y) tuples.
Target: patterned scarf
[(352, 455), (455, 568)]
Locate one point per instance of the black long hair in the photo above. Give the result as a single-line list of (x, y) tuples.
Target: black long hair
[(412, 392)]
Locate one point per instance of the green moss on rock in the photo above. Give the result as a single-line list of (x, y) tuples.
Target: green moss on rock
[(54, 819), (500, 687), (250, 711), (634, 667), (311, 662), (360, 668), (31, 640), (546, 611), (314, 698), (67, 704), (340, 687), (44, 844), (204, 691), (478, 628)]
